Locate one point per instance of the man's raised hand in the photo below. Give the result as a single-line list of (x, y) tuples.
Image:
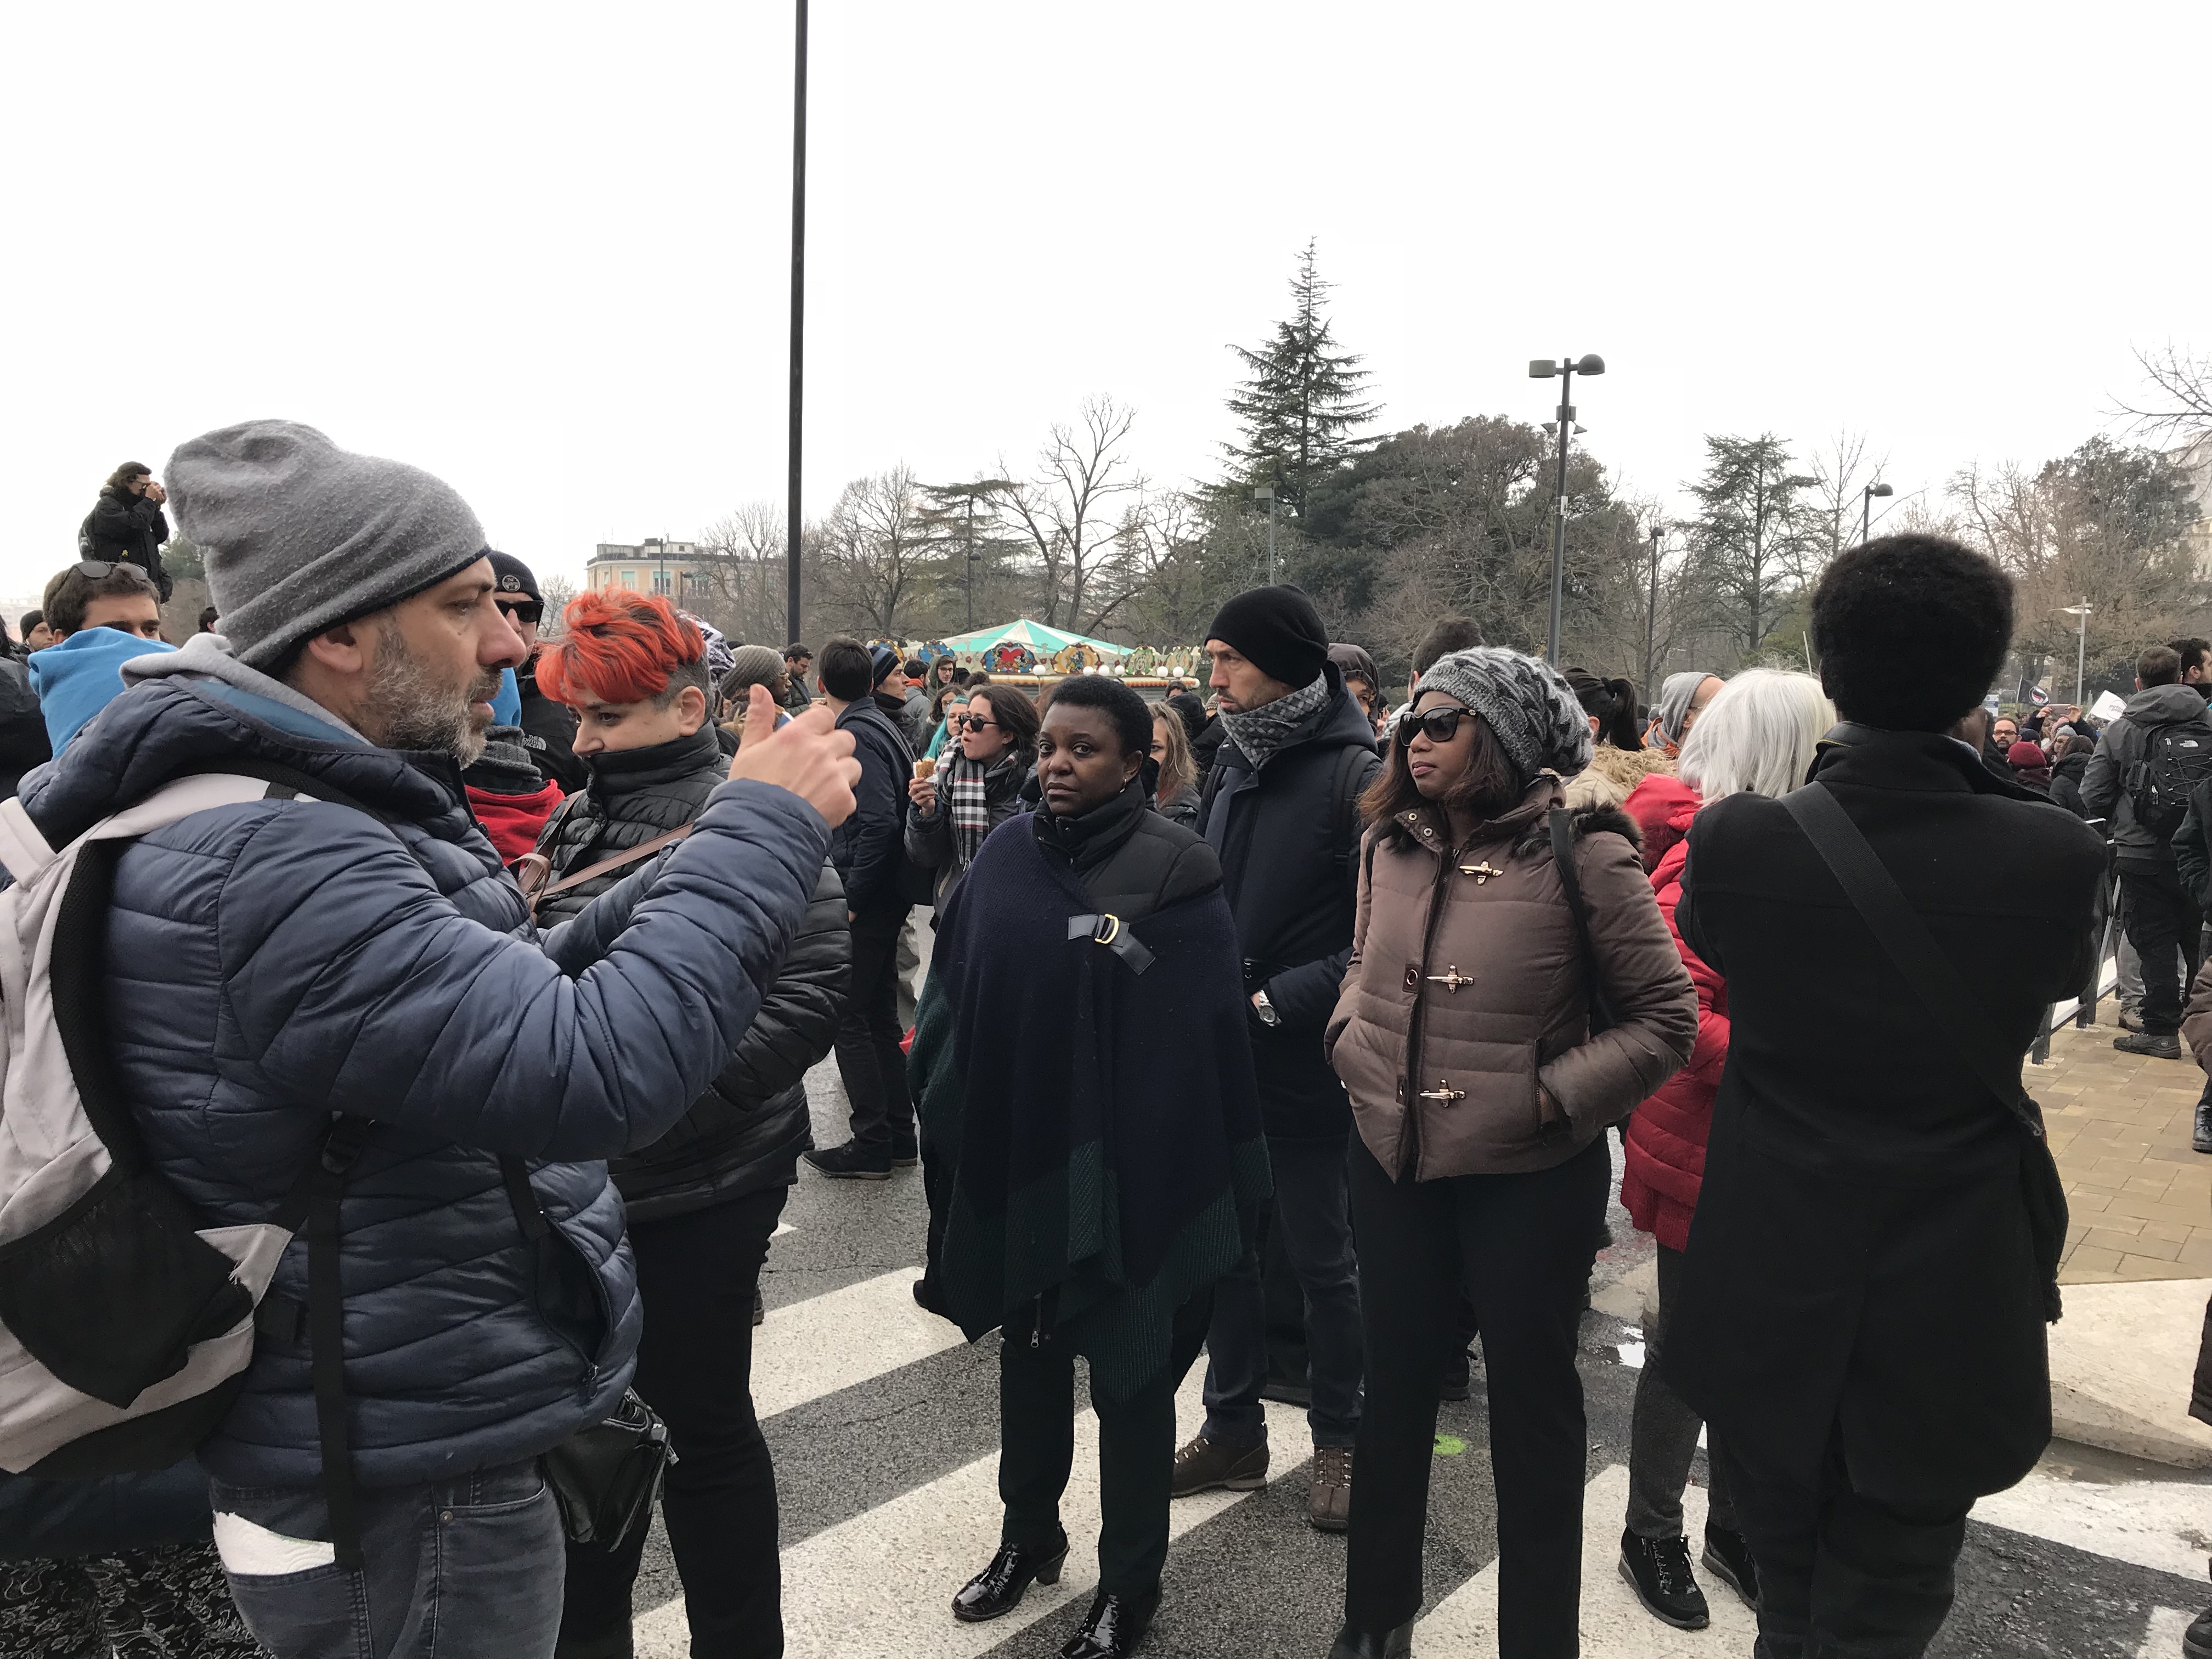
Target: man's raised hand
[(810, 757)]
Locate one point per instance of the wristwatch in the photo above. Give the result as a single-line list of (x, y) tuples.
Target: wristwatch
[(1264, 1009)]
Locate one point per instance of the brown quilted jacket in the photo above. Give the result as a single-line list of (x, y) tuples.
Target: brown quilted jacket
[(1466, 993)]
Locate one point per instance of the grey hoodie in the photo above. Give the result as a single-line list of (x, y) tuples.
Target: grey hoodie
[(2104, 785)]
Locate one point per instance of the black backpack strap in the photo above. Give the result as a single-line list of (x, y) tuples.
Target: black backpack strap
[(1901, 933), (1344, 804), (1560, 822)]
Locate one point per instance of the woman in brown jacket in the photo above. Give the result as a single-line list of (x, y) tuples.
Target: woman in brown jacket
[(1473, 1037)]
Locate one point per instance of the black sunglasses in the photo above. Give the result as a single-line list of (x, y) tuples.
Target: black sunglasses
[(529, 609), (1441, 723), (98, 568), (975, 722)]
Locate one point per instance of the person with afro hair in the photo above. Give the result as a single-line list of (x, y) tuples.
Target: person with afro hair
[(1873, 1256)]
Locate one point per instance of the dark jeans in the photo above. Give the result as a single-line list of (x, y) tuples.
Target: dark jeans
[(468, 1568), (1136, 1452), (2161, 918), (696, 1277), (868, 1054), (1663, 1436), (1308, 1213), (1522, 1246), (1840, 1576)]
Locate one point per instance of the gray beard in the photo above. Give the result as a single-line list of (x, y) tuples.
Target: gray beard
[(406, 709)]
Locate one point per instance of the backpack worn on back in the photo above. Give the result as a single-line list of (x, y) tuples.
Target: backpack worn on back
[(2176, 759), (126, 1324)]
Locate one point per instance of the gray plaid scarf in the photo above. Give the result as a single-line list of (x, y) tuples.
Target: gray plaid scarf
[(1260, 731), (968, 786)]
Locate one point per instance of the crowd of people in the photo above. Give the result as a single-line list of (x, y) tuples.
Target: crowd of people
[(487, 988)]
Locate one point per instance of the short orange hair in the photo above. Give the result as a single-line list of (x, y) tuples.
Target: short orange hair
[(623, 646)]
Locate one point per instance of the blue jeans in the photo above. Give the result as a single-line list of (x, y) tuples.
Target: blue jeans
[(468, 1568), (1310, 1213)]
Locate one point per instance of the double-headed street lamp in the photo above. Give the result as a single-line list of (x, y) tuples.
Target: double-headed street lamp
[(1566, 368), (2081, 646), (1866, 508)]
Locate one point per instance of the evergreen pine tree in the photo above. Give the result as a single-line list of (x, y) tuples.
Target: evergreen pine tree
[(1301, 403)]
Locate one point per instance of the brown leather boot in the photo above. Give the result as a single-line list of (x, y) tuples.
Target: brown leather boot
[(1201, 1465), (1329, 1507)]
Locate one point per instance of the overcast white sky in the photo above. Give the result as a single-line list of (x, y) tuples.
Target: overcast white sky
[(542, 250)]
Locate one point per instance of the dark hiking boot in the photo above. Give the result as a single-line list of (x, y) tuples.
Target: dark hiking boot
[(999, 1587), (2197, 1640), (1201, 1465), (2159, 1045), (1459, 1377), (852, 1161), (2129, 1019), (1727, 1558), (1114, 1627), (1658, 1571), (1329, 1507), (2201, 1139), (906, 1152), (1351, 1643)]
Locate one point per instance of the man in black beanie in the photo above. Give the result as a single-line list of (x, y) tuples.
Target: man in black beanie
[(1280, 811), (553, 723)]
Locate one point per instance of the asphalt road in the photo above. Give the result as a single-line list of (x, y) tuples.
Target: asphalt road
[(884, 1427)]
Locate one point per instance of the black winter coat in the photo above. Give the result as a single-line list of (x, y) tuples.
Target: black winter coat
[(23, 740), (869, 848), (1130, 860), (130, 529), (747, 1132), (2066, 775), (1289, 868), (1860, 1263), (2123, 744), (555, 722), (1191, 711), (1205, 747)]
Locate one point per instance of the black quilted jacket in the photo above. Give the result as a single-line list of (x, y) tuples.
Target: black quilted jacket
[(747, 1132)]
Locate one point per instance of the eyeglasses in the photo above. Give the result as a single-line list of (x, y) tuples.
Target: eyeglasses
[(975, 722), (1441, 723)]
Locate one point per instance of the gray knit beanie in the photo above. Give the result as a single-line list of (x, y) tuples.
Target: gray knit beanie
[(752, 665), (1527, 704), (300, 535), (1675, 696)]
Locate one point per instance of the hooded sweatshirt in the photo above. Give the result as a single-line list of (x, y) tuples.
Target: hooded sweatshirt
[(82, 674)]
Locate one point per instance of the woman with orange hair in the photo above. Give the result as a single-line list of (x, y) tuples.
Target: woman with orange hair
[(704, 1199)]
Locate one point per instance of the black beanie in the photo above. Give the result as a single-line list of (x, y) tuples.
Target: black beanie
[(1277, 630)]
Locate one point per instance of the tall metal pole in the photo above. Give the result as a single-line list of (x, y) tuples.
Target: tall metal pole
[(2081, 650), (971, 564), (1559, 523), (1651, 620), (793, 521), (1866, 512), (1271, 538)]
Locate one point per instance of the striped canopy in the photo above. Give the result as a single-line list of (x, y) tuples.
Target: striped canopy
[(1035, 634)]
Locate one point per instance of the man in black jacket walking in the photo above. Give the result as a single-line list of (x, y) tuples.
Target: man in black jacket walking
[(1280, 811), (2162, 916), (126, 525), (1862, 1314), (869, 850)]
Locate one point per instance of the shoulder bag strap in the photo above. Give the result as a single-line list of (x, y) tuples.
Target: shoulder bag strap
[(1560, 823), (1897, 929), (644, 849)]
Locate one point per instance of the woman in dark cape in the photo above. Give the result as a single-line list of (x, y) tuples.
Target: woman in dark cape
[(1090, 1134)]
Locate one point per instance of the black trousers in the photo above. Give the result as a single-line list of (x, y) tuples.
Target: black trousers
[(1842, 1575), (868, 1054), (2161, 918), (1136, 1450), (696, 1278), (1521, 1245)]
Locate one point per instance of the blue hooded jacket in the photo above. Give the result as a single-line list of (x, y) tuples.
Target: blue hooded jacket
[(80, 676), (272, 962)]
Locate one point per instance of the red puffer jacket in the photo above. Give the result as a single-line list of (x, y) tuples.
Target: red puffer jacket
[(1666, 1149), (1662, 805)]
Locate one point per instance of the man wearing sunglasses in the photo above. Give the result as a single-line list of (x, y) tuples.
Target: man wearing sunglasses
[(520, 601)]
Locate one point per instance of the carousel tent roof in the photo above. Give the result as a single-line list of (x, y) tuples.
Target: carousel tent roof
[(1035, 634)]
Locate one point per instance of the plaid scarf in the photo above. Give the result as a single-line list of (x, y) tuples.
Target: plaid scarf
[(968, 786), (1260, 731)]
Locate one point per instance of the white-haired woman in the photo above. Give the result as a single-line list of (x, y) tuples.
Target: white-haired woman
[(1757, 737)]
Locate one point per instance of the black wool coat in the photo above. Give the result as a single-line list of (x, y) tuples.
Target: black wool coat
[(745, 1133), (1860, 1263), (130, 529), (1290, 870)]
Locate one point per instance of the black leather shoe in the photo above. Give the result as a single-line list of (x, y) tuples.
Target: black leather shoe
[(1116, 1623), (1727, 1558), (1366, 1645), (999, 1587)]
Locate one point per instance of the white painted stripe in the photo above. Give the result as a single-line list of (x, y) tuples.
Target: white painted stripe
[(808, 1349), (2162, 1640), (882, 1584), (2161, 1524)]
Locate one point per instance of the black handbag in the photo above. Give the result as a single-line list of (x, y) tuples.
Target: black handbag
[(605, 1478), (1897, 926)]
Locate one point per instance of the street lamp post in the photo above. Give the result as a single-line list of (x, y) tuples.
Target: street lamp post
[(2080, 647), (1651, 619), (792, 526), (1266, 493), (1866, 508), (1566, 368)]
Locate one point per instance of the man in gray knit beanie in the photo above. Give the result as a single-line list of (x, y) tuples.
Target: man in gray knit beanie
[(1526, 703)]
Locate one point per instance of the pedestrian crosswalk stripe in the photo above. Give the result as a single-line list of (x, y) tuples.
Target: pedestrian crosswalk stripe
[(808, 1349), (2163, 1524), (881, 1584)]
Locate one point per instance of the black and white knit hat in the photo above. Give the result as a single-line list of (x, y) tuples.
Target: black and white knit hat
[(1536, 718)]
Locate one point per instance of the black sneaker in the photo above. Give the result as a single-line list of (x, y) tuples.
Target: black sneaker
[(852, 1161), (1727, 1558), (2159, 1045), (2197, 1640), (1459, 1377), (2201, 1141), (906, 1152), (1658, 1571)]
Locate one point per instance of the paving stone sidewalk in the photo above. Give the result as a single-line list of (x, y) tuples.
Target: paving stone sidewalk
[(2119, 1125)]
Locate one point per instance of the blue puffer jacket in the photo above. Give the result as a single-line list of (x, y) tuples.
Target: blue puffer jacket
[(273, 962)]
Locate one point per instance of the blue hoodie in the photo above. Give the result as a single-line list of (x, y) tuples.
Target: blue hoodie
[(80, 676)]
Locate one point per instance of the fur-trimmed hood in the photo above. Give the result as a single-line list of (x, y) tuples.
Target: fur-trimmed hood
[(1613, 773)]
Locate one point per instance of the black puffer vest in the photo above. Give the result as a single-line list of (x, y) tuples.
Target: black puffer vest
[(747, 1132)]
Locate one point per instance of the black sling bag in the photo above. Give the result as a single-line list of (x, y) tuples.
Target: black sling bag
[(1897, 929)]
